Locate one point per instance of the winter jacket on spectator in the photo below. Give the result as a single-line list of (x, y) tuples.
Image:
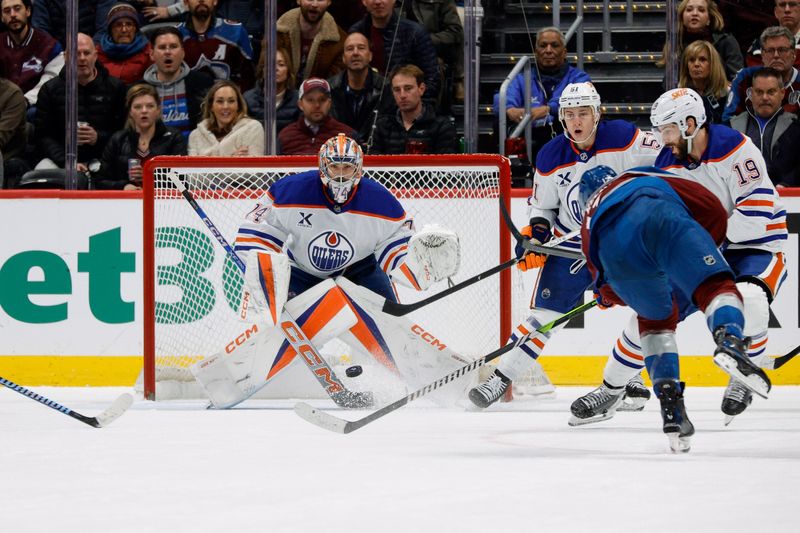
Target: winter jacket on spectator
[(343, 109), (786, 159), (515, 97), (123, 145), (224, 48), (325, 55), (246, 132), (101, 103), (298, 139), (286, 112), (124, 61), (12, 120), (744, 80), (51, 17), (33, 63), (440, 18), (249, 12), (437, 134), (769, 138), (412, 45), (181, 99)]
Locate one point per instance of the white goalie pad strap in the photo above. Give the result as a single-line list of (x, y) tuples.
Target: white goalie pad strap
[(756, 308), (266, 284), (434, 254)]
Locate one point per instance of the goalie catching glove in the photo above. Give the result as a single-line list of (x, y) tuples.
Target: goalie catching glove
[(538, 233), (434, 254), (266, 286)]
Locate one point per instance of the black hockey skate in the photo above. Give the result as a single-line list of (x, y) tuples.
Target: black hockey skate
[(731, 356), (596, 406), (490, 390), (677, 425), (636, 395), (736, 399)]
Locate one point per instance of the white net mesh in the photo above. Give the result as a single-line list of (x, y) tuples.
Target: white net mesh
[(197, 288)]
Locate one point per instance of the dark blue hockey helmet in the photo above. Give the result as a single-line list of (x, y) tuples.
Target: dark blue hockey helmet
[(593, 179)]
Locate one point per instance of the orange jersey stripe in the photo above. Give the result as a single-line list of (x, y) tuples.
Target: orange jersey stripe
[(756, 203)]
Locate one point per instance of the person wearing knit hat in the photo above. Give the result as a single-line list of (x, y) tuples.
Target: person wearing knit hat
[(122, 48)]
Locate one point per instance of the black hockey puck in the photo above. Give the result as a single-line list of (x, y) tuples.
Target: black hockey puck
[(353, 371)]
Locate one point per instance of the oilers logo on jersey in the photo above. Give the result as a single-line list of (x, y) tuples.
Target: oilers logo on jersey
[(330, 251)]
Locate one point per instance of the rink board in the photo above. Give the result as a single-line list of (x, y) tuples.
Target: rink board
[(71, 298)]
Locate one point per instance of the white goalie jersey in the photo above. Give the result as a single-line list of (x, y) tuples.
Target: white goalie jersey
[(560, 165)]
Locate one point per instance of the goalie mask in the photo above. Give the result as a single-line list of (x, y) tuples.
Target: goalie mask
[(675, 107), (340, 162), (576, 95)]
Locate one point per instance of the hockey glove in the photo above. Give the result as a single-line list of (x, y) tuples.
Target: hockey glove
[(538, 233), (606, 297)]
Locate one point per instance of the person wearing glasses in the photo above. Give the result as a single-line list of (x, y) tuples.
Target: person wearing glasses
[(787, 12), (778, 52), (122, 48)]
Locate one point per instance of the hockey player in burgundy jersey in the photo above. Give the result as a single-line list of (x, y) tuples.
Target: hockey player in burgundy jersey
[(730, 166), (632, 227), (554, 210)]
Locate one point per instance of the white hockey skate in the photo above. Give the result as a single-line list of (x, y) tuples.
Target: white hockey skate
[(600, 404)]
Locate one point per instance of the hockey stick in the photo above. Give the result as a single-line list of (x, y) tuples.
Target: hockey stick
[(777, 362), (398, 309), (293, 333), (537, 248), (338, 425), (116, 409)]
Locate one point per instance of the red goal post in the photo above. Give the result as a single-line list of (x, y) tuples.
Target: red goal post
[(191, 292)]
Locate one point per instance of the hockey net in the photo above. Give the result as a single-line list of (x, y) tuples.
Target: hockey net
[(192, 290)]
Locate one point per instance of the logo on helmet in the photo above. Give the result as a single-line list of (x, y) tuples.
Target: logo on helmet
[(330, 251)]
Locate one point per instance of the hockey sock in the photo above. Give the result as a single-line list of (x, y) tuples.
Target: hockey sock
[(626, 357), (518, 361)]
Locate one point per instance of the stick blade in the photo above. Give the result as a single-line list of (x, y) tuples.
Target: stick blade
[(321, 418), (115, 410)]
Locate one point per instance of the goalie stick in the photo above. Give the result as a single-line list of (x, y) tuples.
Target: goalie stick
[(114, 411), (399, 309), (777, 362), (303, 346), (338, 425)]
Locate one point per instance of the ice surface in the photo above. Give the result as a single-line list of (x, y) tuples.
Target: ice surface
[(175, 467)]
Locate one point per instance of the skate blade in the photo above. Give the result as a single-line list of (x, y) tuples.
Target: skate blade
[(574, 421), (728, 419), (753, 382), (632, 404), (678, 444)]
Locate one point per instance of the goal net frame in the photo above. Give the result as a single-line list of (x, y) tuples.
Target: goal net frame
[(377, 163)]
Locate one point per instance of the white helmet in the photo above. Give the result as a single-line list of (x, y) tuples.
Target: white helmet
[(579, 95), (340, 181), (677, 105)]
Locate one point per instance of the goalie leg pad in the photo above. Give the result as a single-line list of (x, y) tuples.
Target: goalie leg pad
[(434, 254), (266, 282)]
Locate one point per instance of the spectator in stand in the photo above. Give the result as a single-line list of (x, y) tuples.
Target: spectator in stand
[(778, 51), (101, 107), (122, 48), (313, 39), (226, 130), (315, 126), (50, 16), (13, 137), (144, 137), (701, 20), (787, 158), (415, 128), (747, 18), (28, 57), (222, 45), (163, 10), (765, 122), (181, 90), (788, 14), (359, 93), (548, 79), (398, 41), (440, 18), (344, 12), (286, 110), (701, 70)]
